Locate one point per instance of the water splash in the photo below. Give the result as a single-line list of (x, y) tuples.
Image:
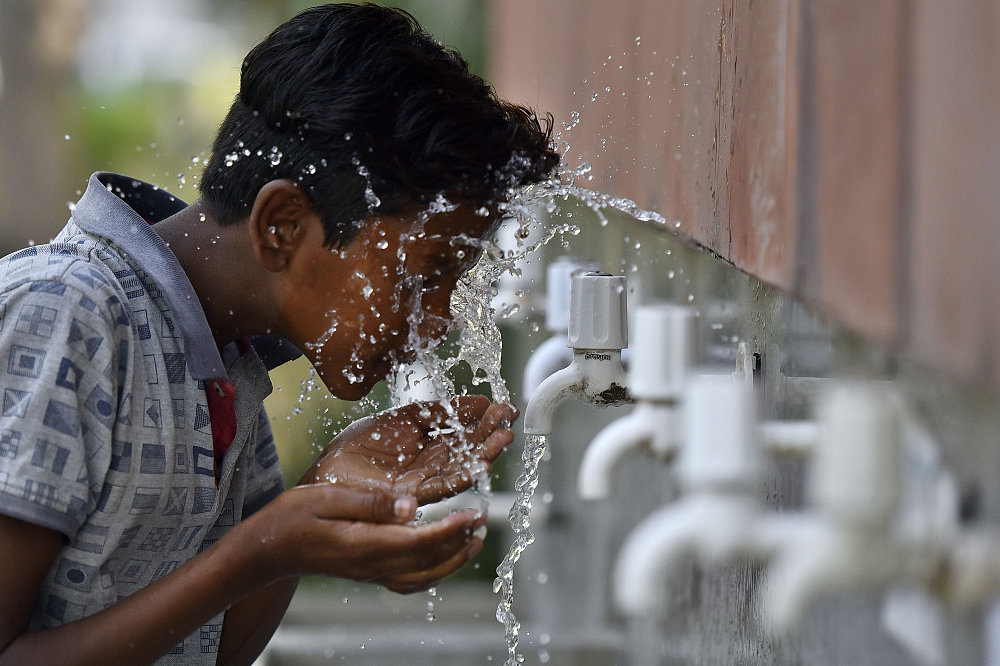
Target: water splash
[(479, 343), (526, 205)]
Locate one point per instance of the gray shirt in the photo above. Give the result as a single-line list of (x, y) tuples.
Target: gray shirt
[(105, 426)]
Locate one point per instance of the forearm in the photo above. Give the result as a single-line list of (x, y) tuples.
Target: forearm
[(251, 622), (146, 625)]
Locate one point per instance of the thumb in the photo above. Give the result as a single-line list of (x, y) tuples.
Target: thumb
[(330, 502)]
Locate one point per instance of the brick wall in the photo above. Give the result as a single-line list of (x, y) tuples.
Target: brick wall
[(845, 151)]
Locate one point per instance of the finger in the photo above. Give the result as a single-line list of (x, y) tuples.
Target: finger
[(465, 409), (423, 577), (495, 444), (498, 415), (470, 408), (451, 480), (423, 580), (425, 547), (328, 501)]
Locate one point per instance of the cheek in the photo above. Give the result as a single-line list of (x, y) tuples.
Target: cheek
[(435, 317)]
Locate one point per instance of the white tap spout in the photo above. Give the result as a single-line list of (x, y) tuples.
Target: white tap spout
[(549, 357), (823, 559), (650, 425), (594, 376), (713, 527)]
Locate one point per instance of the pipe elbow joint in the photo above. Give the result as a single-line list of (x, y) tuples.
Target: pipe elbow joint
[(553, 391), (549, 357), (647, 426), (593, 377), (825, 560), (649, 554), (713, 527)]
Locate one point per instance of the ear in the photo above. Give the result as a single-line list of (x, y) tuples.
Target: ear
[(282, 215)]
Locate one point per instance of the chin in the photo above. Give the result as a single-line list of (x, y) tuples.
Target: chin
[(353, 392), (344, 389)]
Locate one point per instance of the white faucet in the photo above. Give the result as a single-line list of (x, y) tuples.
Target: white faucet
[(597, 333), (718, 516), (663, 349), (848, 540), (872, 527), (554, 354)]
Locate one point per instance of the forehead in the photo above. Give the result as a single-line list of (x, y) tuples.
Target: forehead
[(462, 227), (464, 222)]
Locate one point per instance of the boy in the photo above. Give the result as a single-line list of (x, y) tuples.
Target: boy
[(141, 512)]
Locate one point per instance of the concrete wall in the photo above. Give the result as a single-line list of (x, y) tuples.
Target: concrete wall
[(844, 151)]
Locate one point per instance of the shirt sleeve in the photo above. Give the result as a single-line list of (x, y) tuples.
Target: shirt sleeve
[(264, 481), (60, 354)]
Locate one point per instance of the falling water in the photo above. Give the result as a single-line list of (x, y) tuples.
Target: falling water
[(526, 207), (520, 520)]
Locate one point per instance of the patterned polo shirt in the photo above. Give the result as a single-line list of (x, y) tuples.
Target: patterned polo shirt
[(111, 384)]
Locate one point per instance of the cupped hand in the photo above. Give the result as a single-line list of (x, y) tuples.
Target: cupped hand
[(362, 535), (426, 450)]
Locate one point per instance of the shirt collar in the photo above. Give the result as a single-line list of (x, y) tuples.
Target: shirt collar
[(122, 209)]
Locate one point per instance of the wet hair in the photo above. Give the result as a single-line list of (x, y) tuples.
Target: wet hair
[(370, 115)]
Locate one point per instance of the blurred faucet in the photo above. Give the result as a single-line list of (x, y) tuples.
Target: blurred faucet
[(847, 540), (718, 516), (871, 526), (597, 333), (663, 349), (554, 354)]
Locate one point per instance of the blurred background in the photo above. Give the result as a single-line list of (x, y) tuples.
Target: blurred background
[(137, 87)]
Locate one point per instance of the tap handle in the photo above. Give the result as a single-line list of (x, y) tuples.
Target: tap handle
[(664, 347), (720, 451), (598, 318), (856, 474)]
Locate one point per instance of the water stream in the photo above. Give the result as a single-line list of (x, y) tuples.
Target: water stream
[(520, 521)]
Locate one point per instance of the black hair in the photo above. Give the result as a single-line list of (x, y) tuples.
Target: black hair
[(370, 115)]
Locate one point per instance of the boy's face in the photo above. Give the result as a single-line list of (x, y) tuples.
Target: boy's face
[(357, 310)]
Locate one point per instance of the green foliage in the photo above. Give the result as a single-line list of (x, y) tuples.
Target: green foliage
[(143, 131)]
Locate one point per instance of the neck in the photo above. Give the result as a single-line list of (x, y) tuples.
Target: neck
[(219, 263)]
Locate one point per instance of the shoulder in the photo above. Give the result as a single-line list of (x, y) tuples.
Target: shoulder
[(61, 278)]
